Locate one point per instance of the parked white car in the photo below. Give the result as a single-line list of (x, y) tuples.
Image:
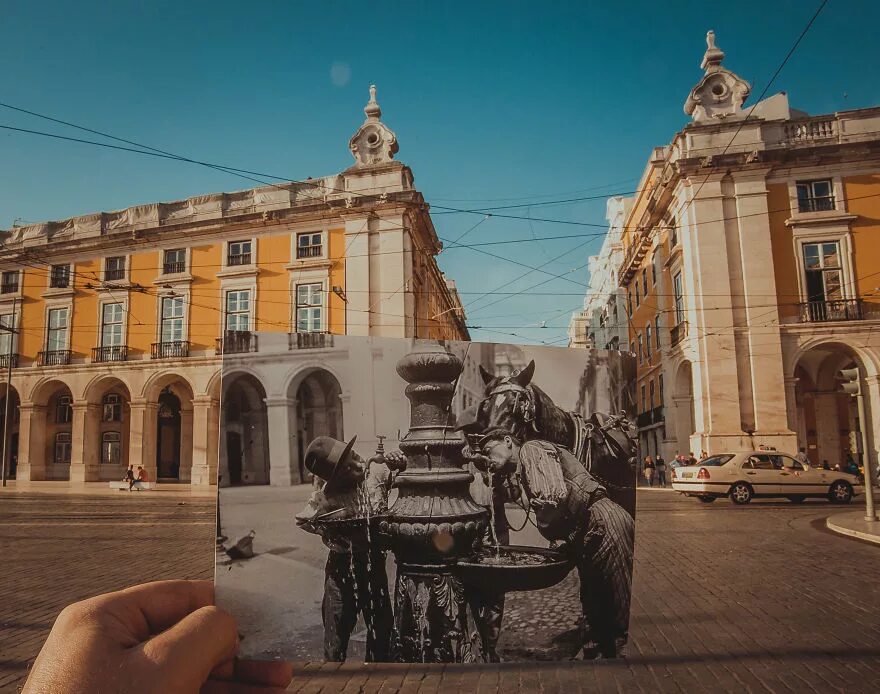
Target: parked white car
[(748, 474)]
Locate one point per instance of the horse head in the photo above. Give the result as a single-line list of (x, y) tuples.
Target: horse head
[(509, 403)]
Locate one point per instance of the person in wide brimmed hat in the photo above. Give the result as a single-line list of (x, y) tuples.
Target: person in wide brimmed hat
[(355, 581)]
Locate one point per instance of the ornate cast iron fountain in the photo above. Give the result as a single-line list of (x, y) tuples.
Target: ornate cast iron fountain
[(434, 521)]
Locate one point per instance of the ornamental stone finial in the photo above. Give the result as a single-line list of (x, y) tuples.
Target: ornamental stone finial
[(372, 109), (713, 55), (374, 142)]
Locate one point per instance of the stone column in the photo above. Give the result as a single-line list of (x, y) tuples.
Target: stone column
[(205, 420), (85, 435), (872, 426), (357, 275), (791, 408), (142, 436), (31, 443), (282, 469), (186, 445)]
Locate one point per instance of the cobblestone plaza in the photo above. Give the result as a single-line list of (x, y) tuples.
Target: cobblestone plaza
[(760, 598)]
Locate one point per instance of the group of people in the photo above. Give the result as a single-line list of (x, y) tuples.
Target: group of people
[(134, 479), (654, 470)]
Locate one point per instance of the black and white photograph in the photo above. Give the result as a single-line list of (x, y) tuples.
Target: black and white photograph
[(401, 500)]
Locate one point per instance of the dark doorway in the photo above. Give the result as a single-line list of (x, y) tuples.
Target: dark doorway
[(233, 456), (168, 436)]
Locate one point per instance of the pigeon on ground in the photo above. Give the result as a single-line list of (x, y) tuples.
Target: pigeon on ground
[(244, 548)]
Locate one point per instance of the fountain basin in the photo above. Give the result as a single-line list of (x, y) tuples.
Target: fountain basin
[(516, 567)]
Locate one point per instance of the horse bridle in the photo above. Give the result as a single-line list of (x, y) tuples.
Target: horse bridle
[(523, 404)]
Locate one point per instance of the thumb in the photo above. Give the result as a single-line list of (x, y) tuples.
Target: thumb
[(185, 654)]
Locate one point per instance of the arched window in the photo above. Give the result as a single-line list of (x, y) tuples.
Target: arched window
[(112, 407), (111, 448), (62, 448)]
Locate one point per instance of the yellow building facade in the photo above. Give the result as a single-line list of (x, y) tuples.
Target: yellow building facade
[(116, 323), (762, 225)]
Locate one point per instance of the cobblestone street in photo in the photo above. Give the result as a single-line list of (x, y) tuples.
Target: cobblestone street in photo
[(755, 598)]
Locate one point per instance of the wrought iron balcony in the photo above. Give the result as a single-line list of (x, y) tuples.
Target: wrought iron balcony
[(174, 268), (55, 357), (238, 259), (237, 342), (835, 310), (170, 350), (652, 416), (5, 359), (816, 204), (678, 333), (309, 340), (110, 353), (309, 251)]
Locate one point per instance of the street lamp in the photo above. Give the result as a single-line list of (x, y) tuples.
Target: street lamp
[(851, 385)]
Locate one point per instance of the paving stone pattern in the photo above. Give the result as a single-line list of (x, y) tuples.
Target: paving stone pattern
[(758, 598)]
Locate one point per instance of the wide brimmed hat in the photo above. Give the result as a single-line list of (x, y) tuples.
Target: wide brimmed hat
[(323, 457)]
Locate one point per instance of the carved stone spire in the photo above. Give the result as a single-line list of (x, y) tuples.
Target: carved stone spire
[(721, 93), (374, 142)]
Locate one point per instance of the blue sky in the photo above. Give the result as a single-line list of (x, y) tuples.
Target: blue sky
[(492, 102)]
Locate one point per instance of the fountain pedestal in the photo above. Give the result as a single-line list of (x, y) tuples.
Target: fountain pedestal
[(435, 521)]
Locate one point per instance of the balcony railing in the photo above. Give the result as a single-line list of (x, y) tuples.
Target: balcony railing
[(810, 130), (309, 340), (816, 204), (835, 310), (652, 416), (237, 342), (170, 350), (55, 357), (678, 333), (174, 268), (309, 251), (6, 358), (110, 353), (238, 259)]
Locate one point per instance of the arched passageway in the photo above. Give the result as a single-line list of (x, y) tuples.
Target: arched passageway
[(244, 440), (318, 412)]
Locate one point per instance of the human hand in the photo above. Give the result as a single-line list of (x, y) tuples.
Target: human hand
[(395, 460), (165, 636)]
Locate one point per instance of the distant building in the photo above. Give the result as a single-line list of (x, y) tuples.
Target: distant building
[(508, 360), (602, 323), (124, 316), (751, 268)]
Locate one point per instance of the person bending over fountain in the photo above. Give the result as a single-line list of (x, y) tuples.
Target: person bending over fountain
[(572, 510), (355, 582)]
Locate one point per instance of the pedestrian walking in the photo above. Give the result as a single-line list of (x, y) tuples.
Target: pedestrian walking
[(649, 470), (660, 468), (691, 459)]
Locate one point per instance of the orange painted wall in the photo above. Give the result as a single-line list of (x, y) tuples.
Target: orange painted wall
[(785, 266), (863, 199), (206, 314), (273, 284)]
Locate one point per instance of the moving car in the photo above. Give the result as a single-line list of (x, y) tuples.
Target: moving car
[(748, 474)]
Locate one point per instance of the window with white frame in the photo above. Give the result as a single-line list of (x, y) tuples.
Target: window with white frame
[(823, 272), (63, 448), (815, 196), (112, 407), (111, 448), (56, 331), (651, 392), (7, 320), (645, 282), (112, 324), (174, 261), (59, 277), (678, 294), (648, 341), (309, 308), (309, 245), (239, 253), (657, 331), (238, 310), (641, 347), (172, 328), (114, 268)]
